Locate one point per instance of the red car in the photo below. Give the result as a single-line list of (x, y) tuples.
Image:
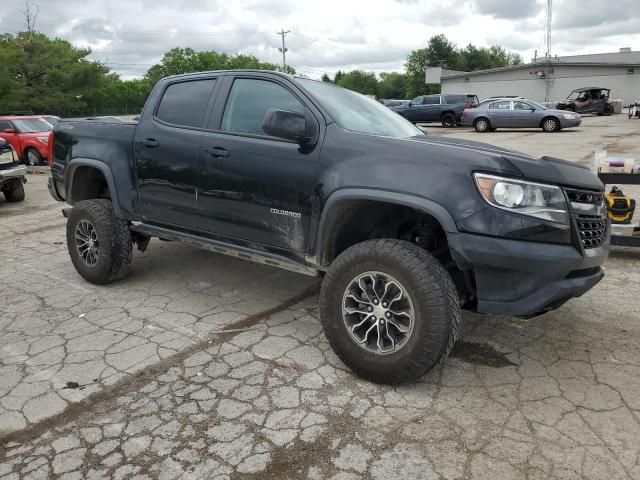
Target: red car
[(29, 137)]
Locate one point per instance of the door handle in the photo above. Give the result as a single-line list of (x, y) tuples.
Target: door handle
[(217, 152), (149, 143)]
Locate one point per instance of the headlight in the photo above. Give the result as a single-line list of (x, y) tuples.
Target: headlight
[(44, 140), (527, 198), (569, 116)]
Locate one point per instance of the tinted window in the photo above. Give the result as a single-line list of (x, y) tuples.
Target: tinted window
[(456, 99), (184, 103), (249, 102), (432, 100), (4, 124), (500, 106)]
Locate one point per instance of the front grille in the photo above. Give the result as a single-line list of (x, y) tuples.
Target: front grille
[(592, 232)]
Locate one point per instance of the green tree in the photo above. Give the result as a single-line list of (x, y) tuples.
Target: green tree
[(326, 78), (392, 85), (185, 60), (360, 81), (46, 75), (441, 52)]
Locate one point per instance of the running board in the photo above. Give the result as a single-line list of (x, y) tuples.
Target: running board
[(224, 248)]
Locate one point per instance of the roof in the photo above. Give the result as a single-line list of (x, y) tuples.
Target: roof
[(588, 89), (539, 65), (20, 117)]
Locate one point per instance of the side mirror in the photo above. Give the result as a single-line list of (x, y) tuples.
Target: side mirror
[(9, 130), (286, 125)]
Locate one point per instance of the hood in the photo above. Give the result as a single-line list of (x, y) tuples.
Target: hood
[(545, 169)]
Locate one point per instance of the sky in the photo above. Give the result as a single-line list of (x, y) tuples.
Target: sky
[(325, 35)]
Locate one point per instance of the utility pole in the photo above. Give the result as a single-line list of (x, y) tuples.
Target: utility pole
[(547, 41), (283, 33)]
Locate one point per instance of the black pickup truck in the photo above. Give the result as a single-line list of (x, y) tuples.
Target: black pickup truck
[(446, 108), (405, 229)]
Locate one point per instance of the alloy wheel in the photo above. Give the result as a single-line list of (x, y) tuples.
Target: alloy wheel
[(33, 158), (549, 125), (87, 242), (378, 313)]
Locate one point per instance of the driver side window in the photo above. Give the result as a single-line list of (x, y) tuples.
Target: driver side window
[(250, 100), (522, 106)]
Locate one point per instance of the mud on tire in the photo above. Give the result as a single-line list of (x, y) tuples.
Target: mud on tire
[(96, 219), (432, 294)]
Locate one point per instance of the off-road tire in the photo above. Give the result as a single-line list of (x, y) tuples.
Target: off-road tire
[(433, 295), (550, 125), (608, 110), (114, 237), (448, 120), (482, 125), (14, 191), (32, 157)]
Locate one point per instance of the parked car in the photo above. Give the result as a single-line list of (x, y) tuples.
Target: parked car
[(446, 108), (12, 174), (51, 120), (395, 103), (29, 137), (588, 100), (405, 228), (514, 113)]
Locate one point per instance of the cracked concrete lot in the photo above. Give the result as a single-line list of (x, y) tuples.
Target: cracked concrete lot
[(203, 366)]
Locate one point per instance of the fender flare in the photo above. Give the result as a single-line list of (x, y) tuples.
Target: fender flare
[(402, 199), (103, 168)]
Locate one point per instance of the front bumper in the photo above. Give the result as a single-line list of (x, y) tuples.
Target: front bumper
[(574, 122), (18, 171), (523, 278)]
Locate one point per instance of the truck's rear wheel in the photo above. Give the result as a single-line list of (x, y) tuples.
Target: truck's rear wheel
[(99, 243), (448, 120), (389, 310), (14, 190)]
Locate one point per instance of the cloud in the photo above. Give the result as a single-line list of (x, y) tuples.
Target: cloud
[(326, 35), (595, 13), (508, 9)]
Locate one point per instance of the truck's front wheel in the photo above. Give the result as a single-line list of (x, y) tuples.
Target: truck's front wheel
[(99, 243), (14, 190), (389, 310)]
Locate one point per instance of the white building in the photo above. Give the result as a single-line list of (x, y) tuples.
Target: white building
[(549, 80)]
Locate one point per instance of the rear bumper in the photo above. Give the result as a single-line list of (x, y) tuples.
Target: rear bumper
[(526, 278)]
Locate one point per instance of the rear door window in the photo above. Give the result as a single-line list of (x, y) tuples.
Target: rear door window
[(432, 100), (500, 106), (451, 99), (184, 103)]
